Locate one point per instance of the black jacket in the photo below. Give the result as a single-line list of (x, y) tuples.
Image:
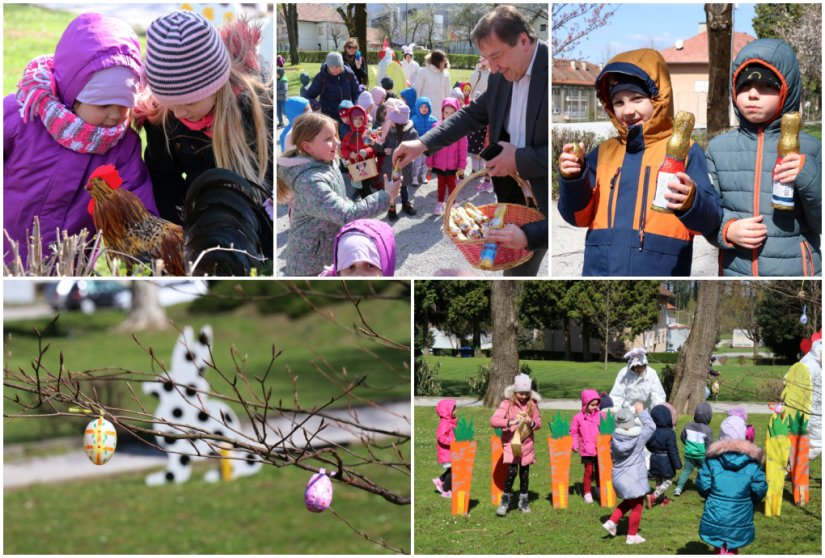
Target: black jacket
[(664, 458), (189, 154)]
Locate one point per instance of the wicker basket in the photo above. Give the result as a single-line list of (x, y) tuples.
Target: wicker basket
[(506, 258), (362, 170)]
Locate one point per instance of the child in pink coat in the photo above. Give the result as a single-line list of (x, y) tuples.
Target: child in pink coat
[(444, 435), (449, 161), (519, 412), (585, 431)]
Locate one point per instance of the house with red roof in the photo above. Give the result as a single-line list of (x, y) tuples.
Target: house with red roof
[(573, 84), (689, 69)]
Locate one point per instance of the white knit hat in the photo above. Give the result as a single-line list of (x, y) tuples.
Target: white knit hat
[(186, 60)]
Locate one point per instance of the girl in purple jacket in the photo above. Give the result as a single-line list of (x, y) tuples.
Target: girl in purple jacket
[(363, 248), (444, 436), (585, 431), (451, 160), (69, 116)]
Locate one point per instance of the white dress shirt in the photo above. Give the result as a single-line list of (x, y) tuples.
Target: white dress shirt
[(517, 125)]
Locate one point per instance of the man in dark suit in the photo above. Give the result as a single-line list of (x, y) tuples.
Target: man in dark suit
[(515, 107)]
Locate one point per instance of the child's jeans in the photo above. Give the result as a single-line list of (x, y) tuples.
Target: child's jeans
[(419, 167), (281, 105), (523, 472), (590, 471), (691, 463), (446, 185), (447, 477), (661, 486), (634, 506)]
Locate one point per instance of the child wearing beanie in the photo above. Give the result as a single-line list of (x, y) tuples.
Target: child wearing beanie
[(379, 95), (732, 481), (697, 437), (206, 107), (518, 417), (70, 116), (627, 448), (363, 248), (449, 162), (398, 128)]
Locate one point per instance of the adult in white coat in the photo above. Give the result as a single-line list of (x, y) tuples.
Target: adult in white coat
[(433, 81), (409, 64), (637, 382)]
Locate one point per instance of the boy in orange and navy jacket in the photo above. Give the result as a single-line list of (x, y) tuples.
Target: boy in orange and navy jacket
[(611, 189)]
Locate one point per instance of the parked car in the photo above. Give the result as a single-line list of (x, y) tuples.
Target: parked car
[(88, 295)]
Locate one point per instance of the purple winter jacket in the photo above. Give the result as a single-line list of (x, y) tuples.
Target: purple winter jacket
[(380, 233), (40, 177)]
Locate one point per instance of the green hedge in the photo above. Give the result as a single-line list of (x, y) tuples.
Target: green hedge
[(463, 61)]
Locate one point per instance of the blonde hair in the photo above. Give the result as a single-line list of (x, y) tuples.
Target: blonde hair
[(232, 145), (305, 128)]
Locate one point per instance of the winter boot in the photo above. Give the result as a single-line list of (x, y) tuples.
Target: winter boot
[(524, 503), (501, 511)]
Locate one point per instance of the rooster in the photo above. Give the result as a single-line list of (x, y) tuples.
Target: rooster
[(225, 211), (128, 228)]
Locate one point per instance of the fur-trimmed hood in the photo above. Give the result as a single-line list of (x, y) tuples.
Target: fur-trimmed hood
[(510, 391), (735, 453)]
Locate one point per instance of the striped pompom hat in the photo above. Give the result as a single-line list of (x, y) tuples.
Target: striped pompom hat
[(186, 60)]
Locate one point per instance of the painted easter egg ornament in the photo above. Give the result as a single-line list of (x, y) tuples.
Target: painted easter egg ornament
[(318, 493), (100, 441)]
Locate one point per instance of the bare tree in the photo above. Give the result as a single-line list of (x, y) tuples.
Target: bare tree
[(146, 311), (720, 28), (694, 357), (466, 19), (39, 392), (290, 14), (337, 33), (572, 22), (504, 317)]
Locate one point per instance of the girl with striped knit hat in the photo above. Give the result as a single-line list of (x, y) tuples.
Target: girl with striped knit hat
[(207, 105)]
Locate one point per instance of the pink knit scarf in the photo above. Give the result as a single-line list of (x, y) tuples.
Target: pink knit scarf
[(203, 125), (37, 97)]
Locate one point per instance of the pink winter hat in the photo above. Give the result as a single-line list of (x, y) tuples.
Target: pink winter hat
[(398, 113)]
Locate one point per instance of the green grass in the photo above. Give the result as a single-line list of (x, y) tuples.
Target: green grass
[(566, 380), (88, 343), (577, 530), (293, 74), (261, 514), (814, 129)]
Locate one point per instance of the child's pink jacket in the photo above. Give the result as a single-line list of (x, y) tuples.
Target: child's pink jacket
[(585, 427), (508, 411), (452, 157), (444, 434)]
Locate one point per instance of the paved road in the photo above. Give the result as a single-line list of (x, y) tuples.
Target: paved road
[(576, 405), (422, 249), (567, 244), (74, 465)]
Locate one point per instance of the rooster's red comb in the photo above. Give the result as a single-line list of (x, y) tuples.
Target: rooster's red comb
[(109, 174)]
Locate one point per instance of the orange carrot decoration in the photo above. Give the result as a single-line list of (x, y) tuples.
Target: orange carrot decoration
[(560, 444), (463, 454), (800, 459), (499, 469), (607, 494)]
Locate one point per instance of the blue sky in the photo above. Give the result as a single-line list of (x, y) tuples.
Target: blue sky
[(636, 25)]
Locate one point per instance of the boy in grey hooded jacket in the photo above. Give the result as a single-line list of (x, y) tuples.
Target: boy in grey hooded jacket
[(755, 239), (697, 437)]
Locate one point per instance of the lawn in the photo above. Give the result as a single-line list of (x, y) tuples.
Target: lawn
[(261, 514), (577, 530), (566, 380), (293, 74), (88, 343)]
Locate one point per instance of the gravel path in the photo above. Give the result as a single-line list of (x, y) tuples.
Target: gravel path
[(567, 244), (422, 249)]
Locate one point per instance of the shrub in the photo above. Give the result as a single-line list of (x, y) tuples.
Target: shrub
[(478, 383), (464, 61), (426, 378), (770, 389), (667, 376)]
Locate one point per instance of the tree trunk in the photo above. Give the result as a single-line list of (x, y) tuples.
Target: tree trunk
[(360, 20), (585, 342), (290, 12), (720, 27), (568, 353), (692, 364), (504, 319), (146, 312), (755, 350)]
